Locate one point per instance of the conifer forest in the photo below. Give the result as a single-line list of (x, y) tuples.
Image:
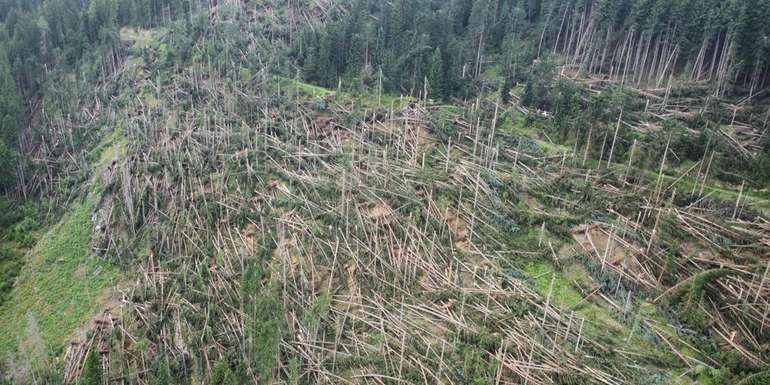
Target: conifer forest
[(385, 192)]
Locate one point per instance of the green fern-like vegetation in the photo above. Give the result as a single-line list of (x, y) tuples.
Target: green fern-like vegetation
[(756, 379), (92, 370)]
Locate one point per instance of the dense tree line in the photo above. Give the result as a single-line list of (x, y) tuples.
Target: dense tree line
[(450, 44), (406, 45)]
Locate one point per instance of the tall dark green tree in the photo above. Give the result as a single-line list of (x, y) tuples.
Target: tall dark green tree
[(436, 76), (10, 118), (8, 158), (753, 37), (761, 166), (539, 83), (23, 50), (10, 103)]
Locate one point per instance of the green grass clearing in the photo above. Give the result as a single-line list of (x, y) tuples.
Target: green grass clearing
[(59, 288), (600, 321), (369, 101), (62, 283)]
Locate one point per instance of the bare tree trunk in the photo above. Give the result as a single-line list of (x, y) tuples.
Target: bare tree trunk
[(615, 138), (643, 69), (604, 50), (561, 27), (542, 35), (588, 145)]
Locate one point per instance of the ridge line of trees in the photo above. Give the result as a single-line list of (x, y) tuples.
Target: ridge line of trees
[(635, 42)]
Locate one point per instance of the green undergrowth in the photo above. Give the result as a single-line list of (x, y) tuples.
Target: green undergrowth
[(62, 283), (10, 264), (142, 38), (19, 227), (58, 289), (759, 200), (569, 285), (562, 286), (305, 88), (552, 148), (565, 293), (515, 123), (755, 199), (363, 100)]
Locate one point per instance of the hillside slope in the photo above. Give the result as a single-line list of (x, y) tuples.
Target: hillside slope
[(221, 221)]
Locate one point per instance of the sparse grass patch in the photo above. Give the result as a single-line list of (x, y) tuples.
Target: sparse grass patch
[(396, 102), (305, 88), (366, 101)]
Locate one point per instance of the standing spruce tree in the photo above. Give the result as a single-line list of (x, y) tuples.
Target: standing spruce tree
[(10, 118), (754, 37), (23, 49), (762, 162), (436, 77), (478, 30), (8, 159), (10, 104)]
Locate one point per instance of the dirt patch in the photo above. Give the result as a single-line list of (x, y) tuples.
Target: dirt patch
[(457, 226), (352, 269), (475, 263), (569, 250), (81, 271), (324, 123), (288, 250), (418, 136), (327, 129), (703, 254), (597, 243), (249, 236), (380, 212), (413, 134), (530, 201), (278, 186)]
